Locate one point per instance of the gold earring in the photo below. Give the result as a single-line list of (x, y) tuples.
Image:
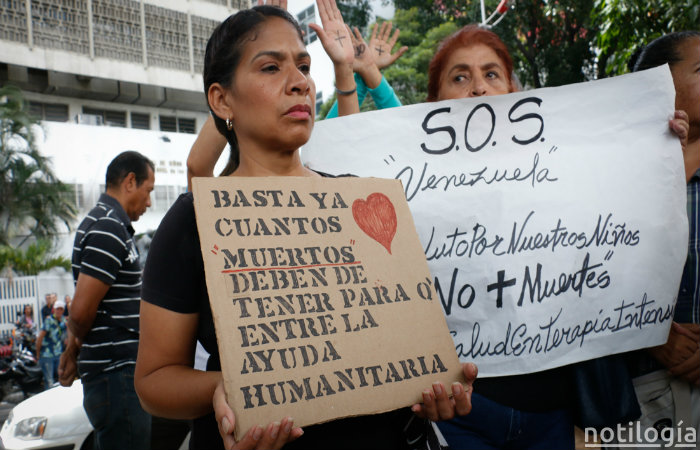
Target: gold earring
[(229, 124)]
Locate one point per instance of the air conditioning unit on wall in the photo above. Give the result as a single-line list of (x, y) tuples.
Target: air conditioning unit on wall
[(89, 119)]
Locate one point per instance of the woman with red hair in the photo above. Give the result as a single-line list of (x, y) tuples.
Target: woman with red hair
[(531, 411), (472, 62), (523, 411)]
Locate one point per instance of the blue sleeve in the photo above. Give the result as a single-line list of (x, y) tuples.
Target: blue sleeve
[(361, 94), (384, 95)]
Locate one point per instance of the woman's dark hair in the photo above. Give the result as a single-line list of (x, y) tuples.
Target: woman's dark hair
[(465, 37), (660, 51), (125, 163), (223, 54)]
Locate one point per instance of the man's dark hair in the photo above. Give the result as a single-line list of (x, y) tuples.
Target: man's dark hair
[(125, 163)]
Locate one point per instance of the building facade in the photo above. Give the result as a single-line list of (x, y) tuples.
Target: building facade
[(106, 76)]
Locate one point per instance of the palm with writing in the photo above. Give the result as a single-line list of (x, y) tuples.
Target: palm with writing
[(364, 59), (334, 35), (381, 42)]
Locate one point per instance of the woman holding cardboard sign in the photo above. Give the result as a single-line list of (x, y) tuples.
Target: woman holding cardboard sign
[(258, 88)]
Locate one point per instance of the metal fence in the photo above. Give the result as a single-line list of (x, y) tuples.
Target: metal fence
[(15, 293)]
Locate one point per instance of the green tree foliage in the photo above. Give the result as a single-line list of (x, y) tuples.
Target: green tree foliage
[(33, 202), (356, 13), (552, 42), (626, 25), (433, 13), (32, 260), (409, 74), (549, 41)]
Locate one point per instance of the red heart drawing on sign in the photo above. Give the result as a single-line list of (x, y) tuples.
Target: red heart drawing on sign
[(376, 217)]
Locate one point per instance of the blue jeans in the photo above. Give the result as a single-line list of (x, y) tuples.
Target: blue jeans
[(49, 366), (115, 412), (491, 425)]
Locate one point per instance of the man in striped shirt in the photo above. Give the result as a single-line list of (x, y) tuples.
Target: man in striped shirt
[(104, 318)]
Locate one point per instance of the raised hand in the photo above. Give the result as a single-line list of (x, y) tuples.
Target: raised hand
[(364, 58), (381, 42), (334, 35)]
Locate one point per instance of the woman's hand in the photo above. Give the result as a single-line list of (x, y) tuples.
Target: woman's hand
[(369, 59), (688, 368), (380, 44), (363, 63), (334, 35), (680, 125), (681, 353), (364, 58), (337, 42), (272, 437), (437, 405)]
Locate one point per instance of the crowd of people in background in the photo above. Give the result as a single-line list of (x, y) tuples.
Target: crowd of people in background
[(140, 339), (45, 335)]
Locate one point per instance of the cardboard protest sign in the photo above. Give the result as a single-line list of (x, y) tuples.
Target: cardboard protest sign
[(322, 300), (553, 220)]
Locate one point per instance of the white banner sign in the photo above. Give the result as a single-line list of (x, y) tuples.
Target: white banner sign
[(553, 220)]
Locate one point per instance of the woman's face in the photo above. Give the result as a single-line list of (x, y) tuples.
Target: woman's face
[(473, 71), (273, 95), (686, 79)]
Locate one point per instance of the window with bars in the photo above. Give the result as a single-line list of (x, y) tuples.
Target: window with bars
[(201, 31), (76, 195), (304, 18), (240, 4), (164, 196), (13, 21), (53, 112), (166, 38), (160, 198), (168, 123), (140, 121), (178, 124), (185, 125), (319, 102), (109, 118), (61, 24), (117, 29)]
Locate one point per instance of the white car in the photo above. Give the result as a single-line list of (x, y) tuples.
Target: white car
[(52, 419), (55, 420)]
